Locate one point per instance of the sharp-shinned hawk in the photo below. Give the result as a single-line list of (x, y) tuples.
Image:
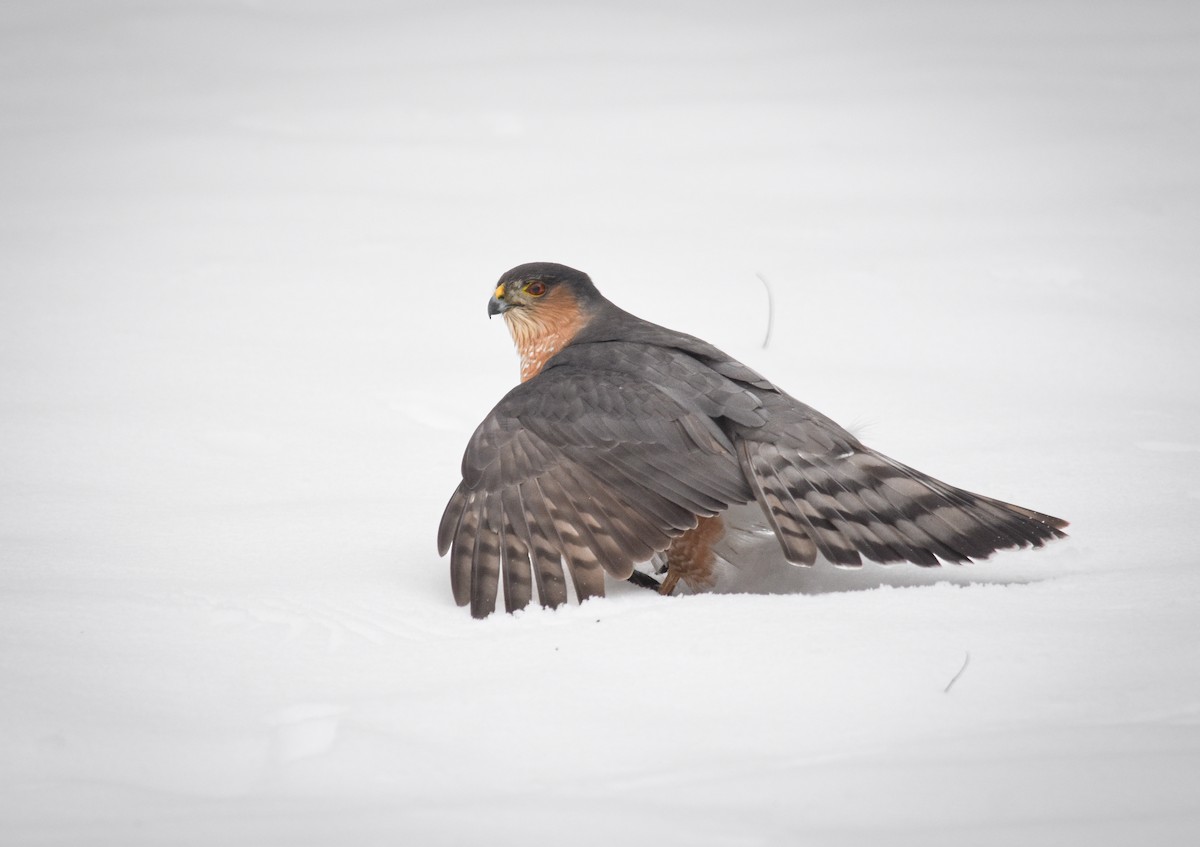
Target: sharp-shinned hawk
[(627, 442)]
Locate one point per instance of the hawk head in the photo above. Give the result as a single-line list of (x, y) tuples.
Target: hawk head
[(531, 286), (544, 305)]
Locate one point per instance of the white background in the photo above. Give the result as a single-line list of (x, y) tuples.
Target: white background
[(245, 252)]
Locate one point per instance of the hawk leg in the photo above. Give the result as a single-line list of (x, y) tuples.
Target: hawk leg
[(690, 556)]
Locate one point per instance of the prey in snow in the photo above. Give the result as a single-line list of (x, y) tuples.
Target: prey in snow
[(627, 442)]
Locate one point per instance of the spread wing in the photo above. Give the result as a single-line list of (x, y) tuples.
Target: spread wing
[(825, 492), (599, 461)]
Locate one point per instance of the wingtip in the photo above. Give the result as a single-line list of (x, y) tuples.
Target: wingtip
[(481, 609), (450, 520)]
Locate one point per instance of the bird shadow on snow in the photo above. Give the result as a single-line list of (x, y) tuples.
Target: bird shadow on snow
[(1016, 567)]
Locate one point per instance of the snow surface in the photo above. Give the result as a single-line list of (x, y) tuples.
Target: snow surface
[(245, 251)]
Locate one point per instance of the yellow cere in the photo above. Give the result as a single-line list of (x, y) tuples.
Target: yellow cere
[(499, 291)]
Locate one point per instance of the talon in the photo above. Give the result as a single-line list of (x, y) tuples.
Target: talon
[(644, 580)]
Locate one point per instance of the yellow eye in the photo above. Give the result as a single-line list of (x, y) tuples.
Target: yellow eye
[(536, 288)]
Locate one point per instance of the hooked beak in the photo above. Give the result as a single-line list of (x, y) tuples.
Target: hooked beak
[(497, 305)]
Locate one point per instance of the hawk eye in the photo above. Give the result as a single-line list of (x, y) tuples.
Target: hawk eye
[(536, 288)]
